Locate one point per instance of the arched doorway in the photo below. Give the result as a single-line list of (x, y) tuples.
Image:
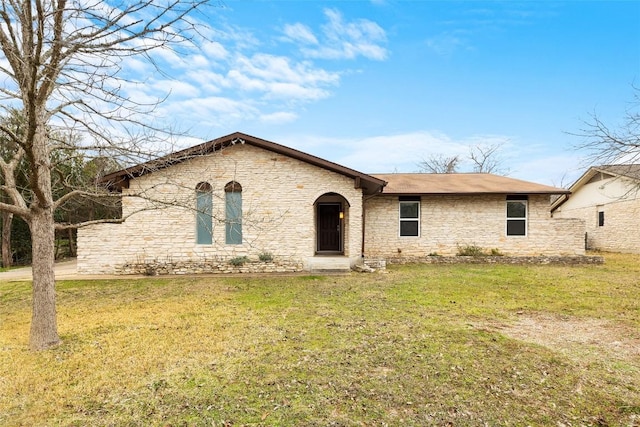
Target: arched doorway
[(331, 211)]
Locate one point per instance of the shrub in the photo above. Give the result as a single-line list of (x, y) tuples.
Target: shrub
[(471, 250), (150, 270), (477, 251), (265, 257), (239, 261)]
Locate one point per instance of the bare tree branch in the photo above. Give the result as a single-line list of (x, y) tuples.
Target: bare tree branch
[(17, 210), (438, 163), (605, 145), (486, 158)]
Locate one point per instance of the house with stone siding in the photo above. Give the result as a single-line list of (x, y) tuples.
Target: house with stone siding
[(241, 203), (607, 199)]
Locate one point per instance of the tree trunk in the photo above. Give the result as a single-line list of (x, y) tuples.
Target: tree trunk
[(7, 258), (44, 327)]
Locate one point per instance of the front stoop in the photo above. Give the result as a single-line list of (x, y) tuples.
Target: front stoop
[(329, 264)]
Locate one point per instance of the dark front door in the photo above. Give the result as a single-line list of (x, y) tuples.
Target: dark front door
[(329, 229)]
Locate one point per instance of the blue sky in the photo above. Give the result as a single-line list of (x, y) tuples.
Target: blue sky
[(379, 85)]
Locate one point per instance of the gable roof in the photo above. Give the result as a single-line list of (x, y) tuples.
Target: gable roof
[(628, 171), (120, 179), (460, 183), (631, 171)]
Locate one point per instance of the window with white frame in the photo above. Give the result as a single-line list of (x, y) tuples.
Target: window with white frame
[(409, 216), (517, 215)]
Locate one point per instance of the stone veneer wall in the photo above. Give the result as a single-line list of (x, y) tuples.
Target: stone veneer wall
[(621, 230), (162, 267), (515, 260), (449, 222), (278, 196)]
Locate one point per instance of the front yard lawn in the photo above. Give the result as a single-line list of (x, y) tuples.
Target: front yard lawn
[(460, 345)]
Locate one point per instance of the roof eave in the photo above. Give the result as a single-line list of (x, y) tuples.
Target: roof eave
[(478, 193), (116, 181)]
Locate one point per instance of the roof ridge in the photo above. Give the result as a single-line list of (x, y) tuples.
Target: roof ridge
[(120, 179)]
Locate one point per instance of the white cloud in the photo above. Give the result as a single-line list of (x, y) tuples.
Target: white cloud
[(170, 57), (135, 65), (342, 40), (362, 29), (236, 76), (293, 93), (220, 105), (279, 117), (207, 81), (279, 77), (141, 93), (300, 33), (198, 61), (360, 37), (214, 50), (283, 69), (212, 111), (403, 152), (560, 170), (446, 44), (380, 154), (178, 89)]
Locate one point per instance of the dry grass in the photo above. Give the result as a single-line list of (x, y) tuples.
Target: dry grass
[(422, 345)]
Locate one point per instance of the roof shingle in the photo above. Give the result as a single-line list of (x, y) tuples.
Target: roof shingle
[(461, 183), (630, 170)]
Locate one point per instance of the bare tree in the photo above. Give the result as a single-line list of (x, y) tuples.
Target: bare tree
[(486, 158), (605, 145), (62, 65), (438, 163)]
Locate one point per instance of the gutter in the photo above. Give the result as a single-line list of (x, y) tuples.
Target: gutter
[(563, 198)]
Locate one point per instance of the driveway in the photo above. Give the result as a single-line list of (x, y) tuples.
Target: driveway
[(68, 270)]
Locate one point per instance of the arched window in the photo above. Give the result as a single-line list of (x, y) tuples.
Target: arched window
[(204, 210), (233, 213)]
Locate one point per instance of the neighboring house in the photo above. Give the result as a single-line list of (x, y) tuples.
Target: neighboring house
[(200, 209), (607, 198)]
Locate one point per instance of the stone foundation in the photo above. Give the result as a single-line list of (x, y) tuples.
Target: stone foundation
[(153, 268), (376, 263), (555, 260)]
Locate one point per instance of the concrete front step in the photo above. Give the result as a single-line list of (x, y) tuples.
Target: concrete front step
[(329, 264)]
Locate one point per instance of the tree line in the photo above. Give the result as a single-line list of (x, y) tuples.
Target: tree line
[(73, 170)]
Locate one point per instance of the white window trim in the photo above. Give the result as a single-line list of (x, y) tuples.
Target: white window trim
[(525, 218), (400, 219)]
